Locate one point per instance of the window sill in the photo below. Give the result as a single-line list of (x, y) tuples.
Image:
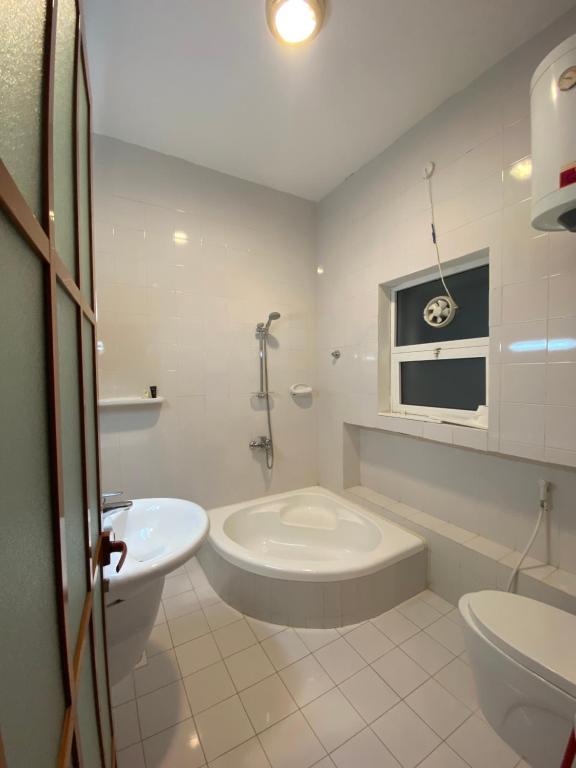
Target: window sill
[(468, 423)]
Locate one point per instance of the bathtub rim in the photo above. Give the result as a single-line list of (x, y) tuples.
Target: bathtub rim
[(311, 570)]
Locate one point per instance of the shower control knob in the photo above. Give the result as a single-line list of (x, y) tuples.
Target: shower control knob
[(336, 354), (260, 442)]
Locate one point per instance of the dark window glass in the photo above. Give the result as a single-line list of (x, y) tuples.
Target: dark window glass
[(470, 292), (458, 383)]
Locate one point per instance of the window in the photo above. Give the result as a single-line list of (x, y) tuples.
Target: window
[(440, 372)]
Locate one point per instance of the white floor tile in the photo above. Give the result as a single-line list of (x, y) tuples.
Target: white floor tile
[(207, 596), (479, 746), (369, 694), (308, 661), (291, 743), (175, 585), (284, 648), (208, 687), (456, 617), (131, 757), (267, 702), (408, 738), (449, 634), (199, 579), (443, 757), (349, 627), (159, 641), (333, 719), (317, 638), (197, 654), (159, 671), (369, 642), (220, 614), (178, 572), (437, 602), (196, 573), (234, 637), (249, 667), (364, 750), (457, 678), (340, 660), (427, 652), (395, 626), (181, 604), (188, 627), (223, 727), (176, 747), (160, 710), (401, 672), (126, 731), (193, 566), (123, 691), (306, 680), (263, 629), (247, 755), (419, 613), (438, 708)]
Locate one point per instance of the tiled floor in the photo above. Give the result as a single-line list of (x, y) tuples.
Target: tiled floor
[(225, 691)]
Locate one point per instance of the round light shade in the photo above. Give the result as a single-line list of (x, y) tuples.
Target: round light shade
[(295, 21)]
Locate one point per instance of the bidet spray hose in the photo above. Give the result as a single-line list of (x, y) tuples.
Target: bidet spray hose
[(544, 507)]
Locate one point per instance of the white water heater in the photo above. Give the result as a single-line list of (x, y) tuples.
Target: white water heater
[(553, 115)]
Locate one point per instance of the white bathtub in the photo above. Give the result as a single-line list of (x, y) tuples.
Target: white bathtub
[(340, 559)]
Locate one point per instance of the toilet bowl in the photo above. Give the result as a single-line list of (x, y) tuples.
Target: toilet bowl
[(523, 657)]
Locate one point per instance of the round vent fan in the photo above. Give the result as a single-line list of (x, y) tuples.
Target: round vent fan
[(440, 311)]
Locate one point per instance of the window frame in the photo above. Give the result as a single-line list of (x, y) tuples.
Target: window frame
[(457, 348)]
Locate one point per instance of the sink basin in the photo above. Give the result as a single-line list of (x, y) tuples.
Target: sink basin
[(161, 535)]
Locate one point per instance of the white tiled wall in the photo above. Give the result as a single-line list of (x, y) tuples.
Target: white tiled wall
[(375, 228), (181, 315), (492, 496)]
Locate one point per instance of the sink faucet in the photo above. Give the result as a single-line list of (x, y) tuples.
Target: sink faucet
[(111, 506)]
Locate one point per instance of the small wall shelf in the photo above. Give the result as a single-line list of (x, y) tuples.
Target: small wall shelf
[(129, 402)]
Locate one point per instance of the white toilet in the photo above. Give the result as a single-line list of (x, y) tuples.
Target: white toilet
[(523, 655)]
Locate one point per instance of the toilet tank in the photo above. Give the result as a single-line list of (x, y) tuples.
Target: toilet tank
[(553, 124)]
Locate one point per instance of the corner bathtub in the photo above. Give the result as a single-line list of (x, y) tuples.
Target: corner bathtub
[(310, 558)]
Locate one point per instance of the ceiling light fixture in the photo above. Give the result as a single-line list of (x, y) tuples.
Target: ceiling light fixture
[(295, 21)]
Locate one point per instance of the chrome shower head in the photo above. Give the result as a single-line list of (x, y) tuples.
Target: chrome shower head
[(272, 316)]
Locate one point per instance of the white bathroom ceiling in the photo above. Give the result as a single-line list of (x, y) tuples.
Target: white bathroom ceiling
[(204, 79)]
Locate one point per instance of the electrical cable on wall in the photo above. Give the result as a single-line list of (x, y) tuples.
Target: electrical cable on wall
[(440, 310)]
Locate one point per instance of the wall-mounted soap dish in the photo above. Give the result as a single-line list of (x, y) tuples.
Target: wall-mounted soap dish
[(297, 390)]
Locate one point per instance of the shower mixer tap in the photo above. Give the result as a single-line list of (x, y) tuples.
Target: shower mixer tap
[(261, 442)]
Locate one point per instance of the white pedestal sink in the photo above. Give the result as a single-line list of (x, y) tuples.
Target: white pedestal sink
[(161, 535)]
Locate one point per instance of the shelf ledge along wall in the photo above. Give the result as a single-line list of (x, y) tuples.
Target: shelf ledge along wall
[(188, 262), (374, 229)]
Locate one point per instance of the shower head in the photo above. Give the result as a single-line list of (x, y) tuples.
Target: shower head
[(272, 316)]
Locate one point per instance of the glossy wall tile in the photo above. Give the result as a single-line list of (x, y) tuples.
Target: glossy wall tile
[(188, 261)]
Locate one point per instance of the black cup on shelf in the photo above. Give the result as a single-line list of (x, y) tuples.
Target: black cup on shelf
[(153, 392)]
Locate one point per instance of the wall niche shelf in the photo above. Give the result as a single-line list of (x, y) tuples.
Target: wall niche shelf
[(130, 402)]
